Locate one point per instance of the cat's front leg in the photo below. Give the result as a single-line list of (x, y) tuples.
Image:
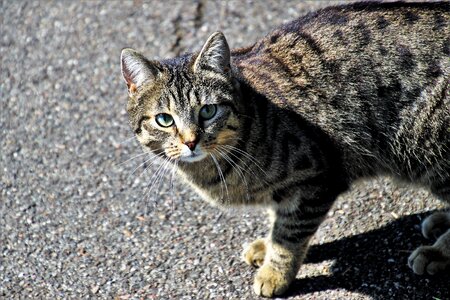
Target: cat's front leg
[(279, 269), (286, 247)]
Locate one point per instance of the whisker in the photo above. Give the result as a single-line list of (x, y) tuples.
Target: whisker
[(163, 172), (248, 155), (238, 169), (174, 167), (135, 169), (139, 155), (152, 163), (154, 173), (221, 181), (157, 175), (127, 140), (221, 175), (149, 187), (248, 167)]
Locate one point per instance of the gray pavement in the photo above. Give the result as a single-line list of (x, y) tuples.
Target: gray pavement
[(75, 220)]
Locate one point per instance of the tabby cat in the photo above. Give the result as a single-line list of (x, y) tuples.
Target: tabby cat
[(290, 122)]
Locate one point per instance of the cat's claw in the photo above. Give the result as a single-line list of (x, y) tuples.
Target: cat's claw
[(270, 282), (254, 253)]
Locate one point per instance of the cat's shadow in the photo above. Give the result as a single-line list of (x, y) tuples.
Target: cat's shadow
[(375, 264)]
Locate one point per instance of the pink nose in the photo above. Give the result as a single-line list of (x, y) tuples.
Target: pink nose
[(191, 145)]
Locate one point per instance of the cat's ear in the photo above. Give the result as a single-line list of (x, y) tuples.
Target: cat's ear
[(215, 55), (136, 69)]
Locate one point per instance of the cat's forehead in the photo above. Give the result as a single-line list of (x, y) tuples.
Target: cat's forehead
[(179, 93), (182, 89)]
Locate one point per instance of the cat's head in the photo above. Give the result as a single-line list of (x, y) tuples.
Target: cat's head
[(184, 108)]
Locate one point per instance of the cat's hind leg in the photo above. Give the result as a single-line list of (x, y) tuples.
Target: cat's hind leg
[(435, 258), (436, 225), (432, 259)]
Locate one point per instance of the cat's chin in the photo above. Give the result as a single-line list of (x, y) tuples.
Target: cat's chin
[(193, 157)]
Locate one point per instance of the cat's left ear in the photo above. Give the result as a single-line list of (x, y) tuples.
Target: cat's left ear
[(215, 55)]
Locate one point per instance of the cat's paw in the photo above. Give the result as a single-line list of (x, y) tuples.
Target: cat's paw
[(435, 225), (270, 282), (254, 253), (429, 259)]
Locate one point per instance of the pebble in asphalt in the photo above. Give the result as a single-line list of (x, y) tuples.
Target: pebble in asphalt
[(75, 221)]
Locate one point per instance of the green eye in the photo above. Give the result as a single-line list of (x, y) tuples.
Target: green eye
[(164, 120), (208, 111)]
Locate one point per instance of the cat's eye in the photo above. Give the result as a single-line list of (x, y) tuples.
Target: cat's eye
[(164, 120), (208, 111)]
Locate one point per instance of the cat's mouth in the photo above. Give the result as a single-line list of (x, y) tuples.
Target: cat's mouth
[(192, 156)]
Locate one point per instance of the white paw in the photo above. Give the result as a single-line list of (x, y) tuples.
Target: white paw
[(270, 282), (254, 253)]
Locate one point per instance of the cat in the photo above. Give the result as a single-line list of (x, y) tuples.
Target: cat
[(344, 93)]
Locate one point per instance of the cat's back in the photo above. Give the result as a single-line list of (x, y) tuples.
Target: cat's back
[(340, 44), (364, 72)]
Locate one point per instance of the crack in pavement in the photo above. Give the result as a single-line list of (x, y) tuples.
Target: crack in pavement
[(179, 32), (199, 13)]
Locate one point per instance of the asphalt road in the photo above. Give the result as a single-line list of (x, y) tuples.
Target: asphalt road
[(75, 219)]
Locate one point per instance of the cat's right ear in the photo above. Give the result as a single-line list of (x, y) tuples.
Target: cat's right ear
[(215, 55), (136, 69)]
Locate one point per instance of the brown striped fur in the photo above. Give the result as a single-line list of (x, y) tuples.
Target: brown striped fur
[(344, 93)]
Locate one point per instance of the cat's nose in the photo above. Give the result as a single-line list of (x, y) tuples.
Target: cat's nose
[(191, 145)]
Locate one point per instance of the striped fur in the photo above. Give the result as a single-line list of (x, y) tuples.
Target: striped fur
[(340, 94)]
